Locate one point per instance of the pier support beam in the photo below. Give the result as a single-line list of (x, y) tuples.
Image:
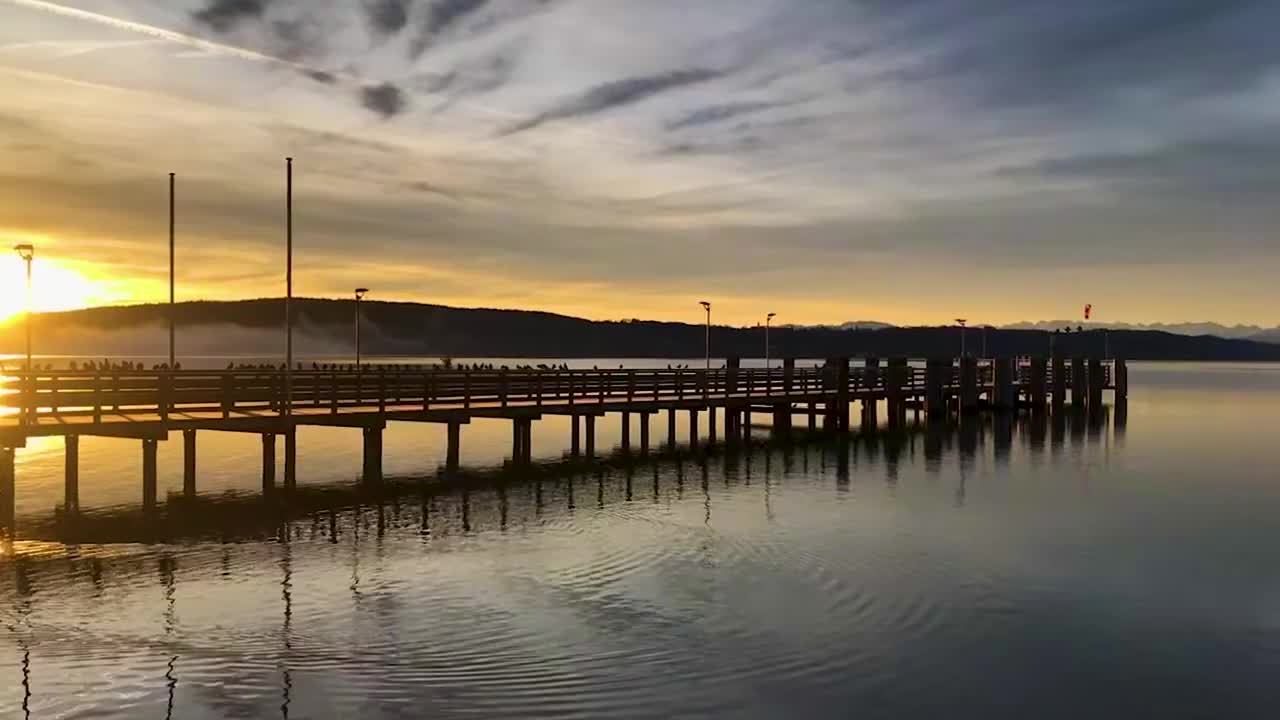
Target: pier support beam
[(454, 443), (290, 459), (937, 373), (671, 430), (711, 425), (842, 394), (1097, 381), (591, 436), (1004, 395), (1059, 379), (813, 417), (626, 432), (71, 503), (895, 383), (644, 433), (268, 463), (1039, 383), (968, 384), (871, 373), (1121, 380), (7, 502), (575, 435), (149, 448), (1079, 382), (693, 429), (189, 464), (870, 415), (372, 455)]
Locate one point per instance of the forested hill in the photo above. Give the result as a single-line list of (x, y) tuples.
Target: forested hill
[(326, 326)]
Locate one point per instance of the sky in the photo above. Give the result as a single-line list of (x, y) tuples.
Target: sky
[(907, 161)]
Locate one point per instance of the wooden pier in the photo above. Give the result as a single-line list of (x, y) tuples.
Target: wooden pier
[(149, 405)]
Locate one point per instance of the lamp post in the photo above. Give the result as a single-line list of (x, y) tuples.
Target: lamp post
[(767, 319), (707, 306), (173, 312), (360, 293), (961, 322), (27, 253)]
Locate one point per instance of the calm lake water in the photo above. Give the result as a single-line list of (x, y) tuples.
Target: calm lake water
[(1124, 566)]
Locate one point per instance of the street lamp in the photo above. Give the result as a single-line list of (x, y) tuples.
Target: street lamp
[(707, 306), (360, 293), (961, 322), (27, 253), (767, 319)]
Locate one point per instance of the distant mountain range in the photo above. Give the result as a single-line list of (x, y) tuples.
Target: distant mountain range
[(325, 328), (1231, 332)]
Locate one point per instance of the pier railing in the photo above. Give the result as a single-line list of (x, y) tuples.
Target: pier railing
[(66, 393)]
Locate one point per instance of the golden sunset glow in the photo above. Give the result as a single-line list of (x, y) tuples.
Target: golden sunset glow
[(55, 286)]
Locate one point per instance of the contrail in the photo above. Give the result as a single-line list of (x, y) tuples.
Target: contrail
[(157, 33)]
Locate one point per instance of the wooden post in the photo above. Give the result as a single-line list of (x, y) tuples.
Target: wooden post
[(71, 503), (968, 384), (626, 432), (644, 433), (1059, 381), (1097, 381), (871, 373), (372, 455), (290, 459), (895, 390), (591, 435), (1037, 388), (575, 435), (693, 429), (746, 424), (1121, 379), (268, 463), (813, 417), (1004, 396), (788, 375), (149, 448), (841, 394), (732, 369), (671, 429), (189, 463), (711, 425), (937, 373), (7, 503), (1079, 382), (452, 450)]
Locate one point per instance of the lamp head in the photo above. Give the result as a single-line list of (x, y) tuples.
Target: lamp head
[(770, 316), (25, 251), (705, 304), (961, 322), (361, 292)]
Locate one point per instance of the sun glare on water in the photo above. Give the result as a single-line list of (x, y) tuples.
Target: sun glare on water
[(55, 286)]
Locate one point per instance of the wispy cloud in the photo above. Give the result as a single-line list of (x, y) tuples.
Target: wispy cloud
[(615, 94)]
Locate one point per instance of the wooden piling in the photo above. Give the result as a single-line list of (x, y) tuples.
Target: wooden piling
[(1097, 381), (1059, 378), (968, 384), (1004, 393), (1037, 386), (693, 429), (575, 435), (591, 436), (711, 425), (1079, 382), (149, 492), (290, 459), (7, 499), (626, 432), (937, 374), (1120, 368), (71, 502), (644, 433), (189, 464), (372, 455), (671, 430), (268, 463), (895, 391), (453, 447)]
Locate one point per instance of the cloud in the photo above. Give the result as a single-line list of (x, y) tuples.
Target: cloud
[(616, 94), (719, 113), (386, 99), (387, 16), (223, 15), (445, 13)]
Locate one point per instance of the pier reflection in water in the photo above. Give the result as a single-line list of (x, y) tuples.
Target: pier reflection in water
[(972, 569)]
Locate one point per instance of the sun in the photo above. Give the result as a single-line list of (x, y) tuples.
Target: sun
[(55, 286)]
